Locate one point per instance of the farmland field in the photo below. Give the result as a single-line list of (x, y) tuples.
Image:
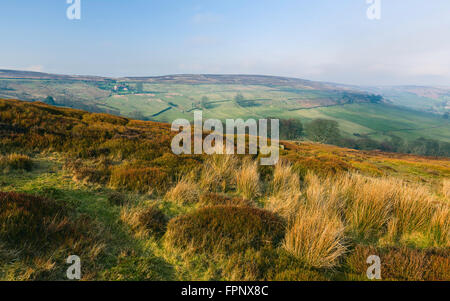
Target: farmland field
[(168, 98)]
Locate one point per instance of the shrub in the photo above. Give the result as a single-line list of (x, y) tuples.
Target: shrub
[(117, 199), (39, 231), (315, 238), (215, 199), (224, 229), (17, 162), (145, 220), (94, 172), (402, 263), (139, 179), (185, 192), (268, 264), (247, 180)]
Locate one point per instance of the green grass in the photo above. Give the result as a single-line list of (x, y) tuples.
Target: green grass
[(294, 101)]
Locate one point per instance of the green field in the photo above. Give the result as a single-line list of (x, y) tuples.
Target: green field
[(166, 99)]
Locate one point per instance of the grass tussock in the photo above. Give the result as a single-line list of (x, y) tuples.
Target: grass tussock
[(186, 191), (368, 206), (92, 172), (412, 212), (439, 229), (16, 162), (315, 238), (224, 229), (145, 221), (247, 180), (285, 179), (446, 188), (285, 190), (219, 173), (143, 180)]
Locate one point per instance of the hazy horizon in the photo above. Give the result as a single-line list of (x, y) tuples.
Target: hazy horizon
[(321, 41)]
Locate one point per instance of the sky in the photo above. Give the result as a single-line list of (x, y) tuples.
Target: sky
[(324, 40)]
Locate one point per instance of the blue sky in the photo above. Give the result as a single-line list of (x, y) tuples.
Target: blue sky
[(325, 40)]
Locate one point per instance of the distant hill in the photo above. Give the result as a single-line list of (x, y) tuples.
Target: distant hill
[(375, 112)]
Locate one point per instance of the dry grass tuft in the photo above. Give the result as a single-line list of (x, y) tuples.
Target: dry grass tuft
[(185, 192), (439, 231), (326, 193), (285, 178), (446, 188), (247, 180), (412, 211), (315, 238), (16, 162), (145, 221), (286, 194), (369, 206), (219, 173)]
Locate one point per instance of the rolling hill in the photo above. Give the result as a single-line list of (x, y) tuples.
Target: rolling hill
[(400, 111)]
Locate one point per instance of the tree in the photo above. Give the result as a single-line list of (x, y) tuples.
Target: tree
[(140, 87), (204, 102), (323, 131), (239, 98), (50, 100), (291, 129)]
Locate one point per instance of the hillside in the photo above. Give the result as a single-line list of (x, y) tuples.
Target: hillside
[(430, 99), (166, 98), (109, 189)]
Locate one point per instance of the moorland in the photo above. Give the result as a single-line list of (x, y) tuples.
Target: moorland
[(108, 189)]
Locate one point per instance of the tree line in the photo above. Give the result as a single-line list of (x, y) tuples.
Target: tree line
[(328, 132)]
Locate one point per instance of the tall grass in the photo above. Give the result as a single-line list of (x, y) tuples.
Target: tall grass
[(316, 238), (247, 180), (446, 188), (145, 220), (284, 178), (412, 211), (16, 162), (218, 173), (369, 206), (439, 229), (285, 197), (186, 191)]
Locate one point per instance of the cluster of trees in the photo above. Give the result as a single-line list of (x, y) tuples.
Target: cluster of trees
[(327, 131)]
